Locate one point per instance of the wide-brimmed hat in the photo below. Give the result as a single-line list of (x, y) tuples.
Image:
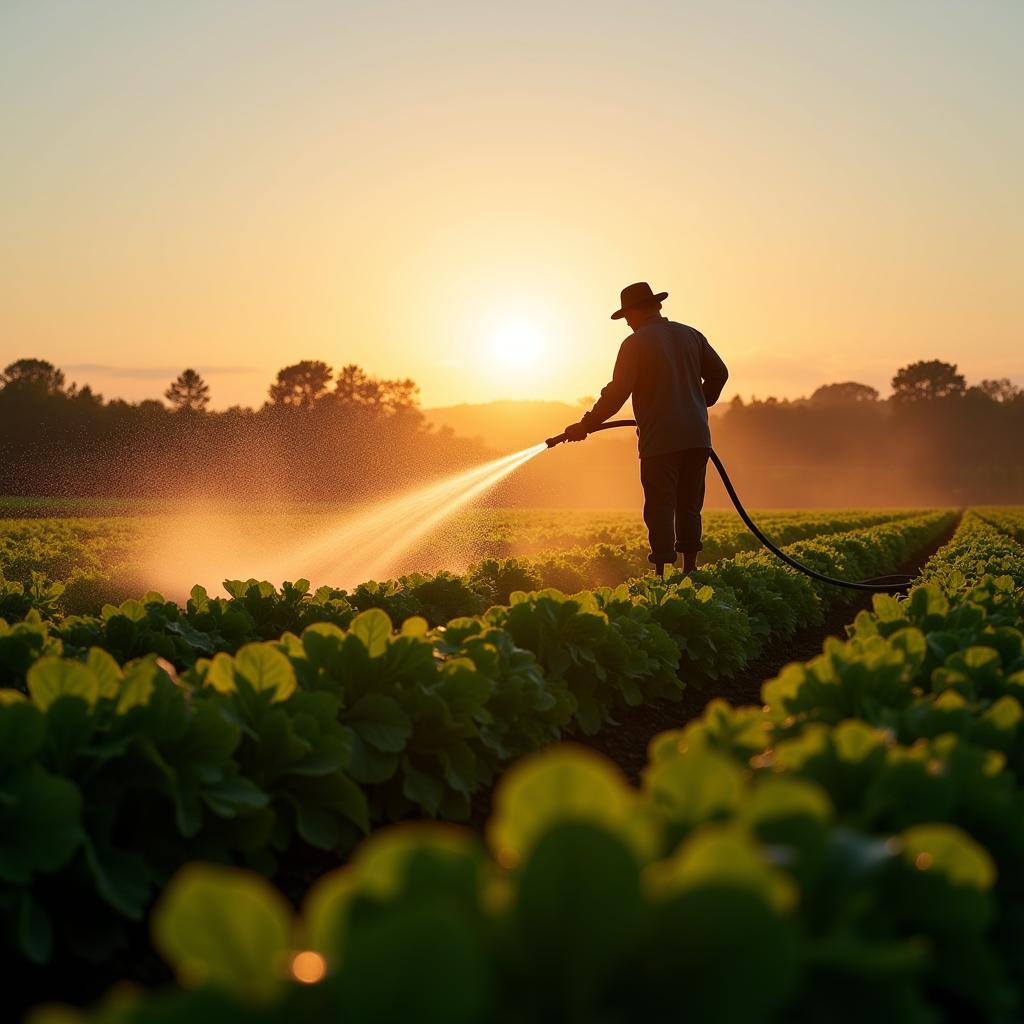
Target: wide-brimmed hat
[(634, 295)]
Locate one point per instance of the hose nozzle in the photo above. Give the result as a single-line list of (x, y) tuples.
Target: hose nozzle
[(559, 438)]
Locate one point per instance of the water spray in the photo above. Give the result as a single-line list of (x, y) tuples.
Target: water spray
[(876, 585), (370, 545)]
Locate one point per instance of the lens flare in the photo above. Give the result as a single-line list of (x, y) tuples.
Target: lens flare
[(308, 967)]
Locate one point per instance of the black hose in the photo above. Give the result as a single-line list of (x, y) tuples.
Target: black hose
[(876, 585)]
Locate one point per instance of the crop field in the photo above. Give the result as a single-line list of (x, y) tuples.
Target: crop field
[(101, 559), (270, 801)]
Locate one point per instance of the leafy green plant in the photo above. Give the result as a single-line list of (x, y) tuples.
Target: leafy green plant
[(748, 894), (297, 719)]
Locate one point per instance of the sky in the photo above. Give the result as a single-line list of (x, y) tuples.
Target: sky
[(456, 192)]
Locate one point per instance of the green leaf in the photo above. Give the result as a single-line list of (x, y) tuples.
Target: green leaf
[(405, 966), (578, 912), (70, 724), (786, 797), (220, 674), (373, 628), (195, 638), (854, 741), (224, 927), (262, 665), (694, 786), (266, 668), (1005, 714), (420, 963), (133, 609), (234, 795), (415, 626), (383, 861), (200, 599), (50, 678), (369, 765), (325, 805), (122, 878), (40, 821), (380, 721), (559, 785), (106, 670), (728, 956), (138, 684), (421, 787), (22, 731), (317, 826), (723, 855), (35, 933), (949, 851)]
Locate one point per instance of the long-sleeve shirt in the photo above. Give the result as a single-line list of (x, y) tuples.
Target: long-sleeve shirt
[(674, 375)]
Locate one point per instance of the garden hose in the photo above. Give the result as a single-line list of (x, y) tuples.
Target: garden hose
[(876, 585)]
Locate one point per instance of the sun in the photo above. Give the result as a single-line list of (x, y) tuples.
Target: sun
[(517, 345)]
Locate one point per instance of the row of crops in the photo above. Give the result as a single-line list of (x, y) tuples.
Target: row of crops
[(85, 562), (151, 735), (851, 848), (256, 610)]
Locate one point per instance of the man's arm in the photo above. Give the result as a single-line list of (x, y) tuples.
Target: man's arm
[(613, 394), (713, 372)]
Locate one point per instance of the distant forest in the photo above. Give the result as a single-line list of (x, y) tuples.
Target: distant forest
[(337, 436), (934, 440), (320, 435)]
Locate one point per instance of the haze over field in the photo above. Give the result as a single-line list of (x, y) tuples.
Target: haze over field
[(455, 192)]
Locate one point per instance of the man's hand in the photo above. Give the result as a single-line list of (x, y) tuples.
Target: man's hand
[(575, 432)]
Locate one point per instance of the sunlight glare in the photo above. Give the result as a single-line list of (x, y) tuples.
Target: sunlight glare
[(517, 345)]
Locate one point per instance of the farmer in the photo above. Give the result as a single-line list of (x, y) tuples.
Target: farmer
[(674, 375)]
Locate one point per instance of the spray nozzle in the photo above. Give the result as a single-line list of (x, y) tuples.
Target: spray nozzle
[(559, 438)]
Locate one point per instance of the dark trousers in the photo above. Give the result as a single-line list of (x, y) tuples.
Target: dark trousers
[(673, 497)]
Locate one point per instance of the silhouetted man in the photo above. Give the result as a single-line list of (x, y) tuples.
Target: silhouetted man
[(674, 375)]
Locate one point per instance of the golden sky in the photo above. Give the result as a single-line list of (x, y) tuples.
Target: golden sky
[(457, 191)]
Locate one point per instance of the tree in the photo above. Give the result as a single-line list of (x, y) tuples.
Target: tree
[(86, 396), (399, 396), (33, 375), (846, 393), (189, 392), (926, 381), (302, 384), (356, 387), (1001, 390)]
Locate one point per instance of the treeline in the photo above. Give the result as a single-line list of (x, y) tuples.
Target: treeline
[(345, 435), (320, 435), (934, 440)]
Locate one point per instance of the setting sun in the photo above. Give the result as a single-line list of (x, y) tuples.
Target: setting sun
[(517, 345)]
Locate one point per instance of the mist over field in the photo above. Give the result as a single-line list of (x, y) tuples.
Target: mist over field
[(346, 438)]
